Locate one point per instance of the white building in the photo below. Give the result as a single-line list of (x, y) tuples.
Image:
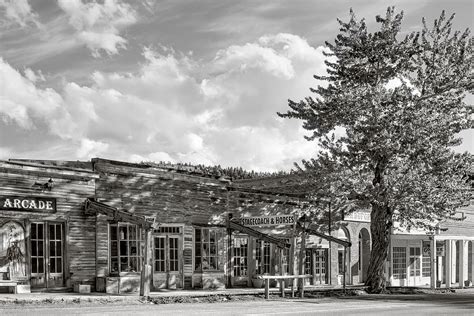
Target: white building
[(442, 259)]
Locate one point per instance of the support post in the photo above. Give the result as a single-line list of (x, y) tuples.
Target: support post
[(463, 254), (282, 287), (301, 262), (433, 262), (449, 260), (292, 288), (292, 267), (440, 274), (344, 269), (229, 252), (267, 288), (146, 274), (329, 265), (472, 261), (282, 282)]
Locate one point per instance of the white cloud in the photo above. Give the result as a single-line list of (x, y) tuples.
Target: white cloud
[(98, 25), (175, 108), (253, 56), (90, 148), (34, 77), (18, 12), (23, 103)]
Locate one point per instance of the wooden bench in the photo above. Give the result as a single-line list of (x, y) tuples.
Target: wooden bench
[(282, 279), (9, 283)]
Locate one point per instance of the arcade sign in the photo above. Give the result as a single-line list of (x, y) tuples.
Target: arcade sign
[(28, 204)]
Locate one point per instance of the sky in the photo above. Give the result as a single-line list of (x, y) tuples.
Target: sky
[(178, 80)]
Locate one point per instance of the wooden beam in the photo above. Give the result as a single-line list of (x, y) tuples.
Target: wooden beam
[(252, 232), (324, 236), (93, 207)]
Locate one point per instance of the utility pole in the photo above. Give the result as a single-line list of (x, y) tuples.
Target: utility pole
[(328, 261)]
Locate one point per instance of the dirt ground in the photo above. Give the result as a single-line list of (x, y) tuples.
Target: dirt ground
[(88, 300)]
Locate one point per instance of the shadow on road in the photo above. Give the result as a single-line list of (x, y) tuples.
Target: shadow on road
[(457, 301), (454, 300)]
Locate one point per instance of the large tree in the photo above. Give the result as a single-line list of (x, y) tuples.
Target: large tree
[(387, 116)]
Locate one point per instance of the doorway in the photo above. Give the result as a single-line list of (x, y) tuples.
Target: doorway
[(47, 255), (414, 267), (167, 259), (315, 265), (240, 275)]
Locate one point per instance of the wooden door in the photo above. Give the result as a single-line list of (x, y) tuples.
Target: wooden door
[(240, 275), (414, 267), (47, 255), (320, 266), (167, 262)]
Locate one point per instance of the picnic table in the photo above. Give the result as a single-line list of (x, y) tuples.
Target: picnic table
[(281, 279)]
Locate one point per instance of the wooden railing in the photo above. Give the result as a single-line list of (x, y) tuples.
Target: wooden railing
[(282, 279)]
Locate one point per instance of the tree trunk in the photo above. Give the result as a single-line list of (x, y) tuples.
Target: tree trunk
[(380, 228)]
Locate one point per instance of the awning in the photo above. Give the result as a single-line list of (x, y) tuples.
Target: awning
[(255, 233), (324, 236), (93, 207)]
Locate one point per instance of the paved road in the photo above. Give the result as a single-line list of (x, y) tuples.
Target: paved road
[(452, 304)]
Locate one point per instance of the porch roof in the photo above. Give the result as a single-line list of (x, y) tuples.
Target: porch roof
[(93, 207)]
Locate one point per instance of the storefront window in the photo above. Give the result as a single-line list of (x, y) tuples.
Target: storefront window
[(262, 255), (125, 248), (399, 262), (206, 255)]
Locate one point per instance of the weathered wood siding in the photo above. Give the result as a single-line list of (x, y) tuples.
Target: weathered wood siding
[(175, 198), (193, 200), (70, 189), (172, 197)]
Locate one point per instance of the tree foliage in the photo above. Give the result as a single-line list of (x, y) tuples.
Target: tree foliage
[(387, 115)]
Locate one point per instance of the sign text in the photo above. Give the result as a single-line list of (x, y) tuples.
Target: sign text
[(28, 204), (267, 220)]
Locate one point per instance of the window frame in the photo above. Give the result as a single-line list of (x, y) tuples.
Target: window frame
[(199, 247), (399, 262), (138, 240)]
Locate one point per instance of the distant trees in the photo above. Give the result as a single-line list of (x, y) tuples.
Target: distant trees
[(387, 119), (233, 173)]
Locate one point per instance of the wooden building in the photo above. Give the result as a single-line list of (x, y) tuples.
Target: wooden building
[(63, 241), (46, 241)]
